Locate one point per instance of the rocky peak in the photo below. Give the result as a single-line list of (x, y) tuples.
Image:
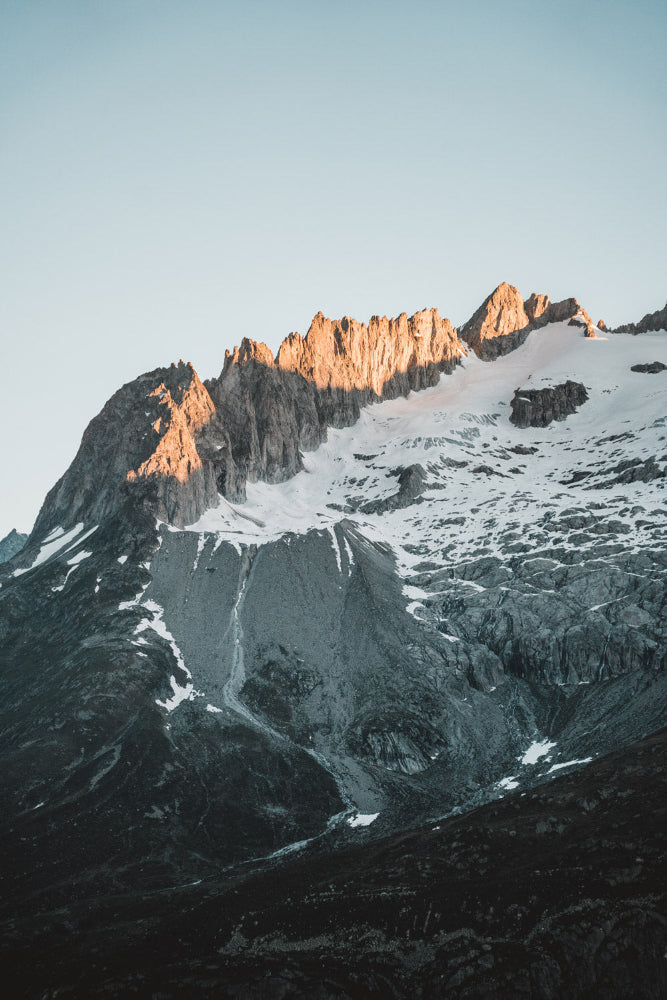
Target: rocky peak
[(250, 350), (143, 439), (500, 315), (182, 411), (177, 444), (345, 354), (504, 320), (535, 306)]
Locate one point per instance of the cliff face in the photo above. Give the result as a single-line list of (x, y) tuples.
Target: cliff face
[(269, 411), (504, 320), (539, 407), (143, 441), (384, 359), (11, 544)]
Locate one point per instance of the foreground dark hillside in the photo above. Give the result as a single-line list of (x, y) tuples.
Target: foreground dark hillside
[(557, 892)]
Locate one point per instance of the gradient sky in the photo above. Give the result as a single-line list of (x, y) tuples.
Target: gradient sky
[(179, 175)]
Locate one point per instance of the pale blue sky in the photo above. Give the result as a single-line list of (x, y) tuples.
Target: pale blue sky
[(178, 175)]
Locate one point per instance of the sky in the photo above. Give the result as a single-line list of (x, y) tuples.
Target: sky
[(179, 174)]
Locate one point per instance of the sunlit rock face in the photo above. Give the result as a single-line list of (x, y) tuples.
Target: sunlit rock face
[(504, 320), (385, 358), (535, 306), (499, 317), (143, 440), (269, 411)]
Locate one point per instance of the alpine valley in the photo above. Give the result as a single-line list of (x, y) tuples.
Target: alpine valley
[(343, 674)]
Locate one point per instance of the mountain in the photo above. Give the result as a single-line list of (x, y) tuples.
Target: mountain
[(334, 619), (11, 544)]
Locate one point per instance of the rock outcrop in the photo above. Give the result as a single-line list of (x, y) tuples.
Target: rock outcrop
[(411, 484), (387, 358), (651, 368), (142, 442), (269, 411), (504, 320), (539, 407), (501, 323), (11, 544)]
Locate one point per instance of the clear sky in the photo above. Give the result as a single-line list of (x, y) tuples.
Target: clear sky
[(179, 174)]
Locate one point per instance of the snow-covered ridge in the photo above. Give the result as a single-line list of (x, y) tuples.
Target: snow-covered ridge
[(478, 477)]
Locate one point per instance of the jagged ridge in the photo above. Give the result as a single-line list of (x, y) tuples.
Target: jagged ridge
[(504, 320), (177, 443)]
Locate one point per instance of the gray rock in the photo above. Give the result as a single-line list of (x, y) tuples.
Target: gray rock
[(11, 544), (539, 407), (411, 480), (652, 368)]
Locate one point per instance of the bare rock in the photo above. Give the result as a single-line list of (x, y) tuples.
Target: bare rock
[(500, 324), (141, 443), (538, 407), (652, 368), (504, 320), (535, 306), (411, 482), (388, 357), (11, 544), (269, 411)]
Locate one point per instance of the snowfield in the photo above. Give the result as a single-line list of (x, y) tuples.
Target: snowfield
[(479, 483)]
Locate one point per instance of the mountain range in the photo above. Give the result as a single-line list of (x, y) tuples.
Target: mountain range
[(343, 674)]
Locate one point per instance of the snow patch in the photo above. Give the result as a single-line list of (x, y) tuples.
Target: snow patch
[(350, 557), (55, 541), (79, 557), (362, 819), (535, 751), (201, 542), (569, 763), (72, 563), (508, 783), (156, 623), (336, 548)]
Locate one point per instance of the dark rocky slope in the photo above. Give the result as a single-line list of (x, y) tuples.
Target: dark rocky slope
[(558, 892)]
